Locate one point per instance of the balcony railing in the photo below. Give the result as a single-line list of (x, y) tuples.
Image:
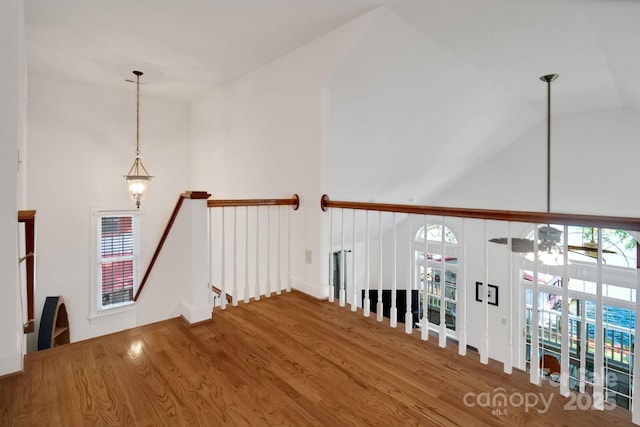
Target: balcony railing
[(377, 244)]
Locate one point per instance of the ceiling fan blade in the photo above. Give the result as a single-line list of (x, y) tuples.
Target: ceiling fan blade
[(517, 244), (589, 249), (590, 254)]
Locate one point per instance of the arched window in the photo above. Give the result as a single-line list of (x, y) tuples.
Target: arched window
[(436, 270)]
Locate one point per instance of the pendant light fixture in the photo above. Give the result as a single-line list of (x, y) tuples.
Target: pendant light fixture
[(138, 177)]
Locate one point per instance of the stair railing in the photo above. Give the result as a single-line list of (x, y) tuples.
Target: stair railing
[(250, 247)]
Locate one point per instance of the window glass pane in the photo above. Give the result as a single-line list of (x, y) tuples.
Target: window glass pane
[(117, 255), (117, 282), (117, 237), (435, 234), (618, 292)]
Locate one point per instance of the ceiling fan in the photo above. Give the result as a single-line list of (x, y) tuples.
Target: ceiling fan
[(548, 241), (549, 237)]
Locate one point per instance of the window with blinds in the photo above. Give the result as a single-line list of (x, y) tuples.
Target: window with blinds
[(118, 249)]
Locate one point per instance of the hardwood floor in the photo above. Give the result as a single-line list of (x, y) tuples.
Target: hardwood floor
[(285, 360)]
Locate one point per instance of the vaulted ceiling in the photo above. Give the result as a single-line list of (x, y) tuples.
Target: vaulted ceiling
[(188, 48)]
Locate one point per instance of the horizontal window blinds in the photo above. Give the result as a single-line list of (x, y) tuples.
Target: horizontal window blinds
[(118, 258)]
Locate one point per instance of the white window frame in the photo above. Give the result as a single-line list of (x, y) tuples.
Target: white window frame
[(435, 246), (584, 270), (97, 311)]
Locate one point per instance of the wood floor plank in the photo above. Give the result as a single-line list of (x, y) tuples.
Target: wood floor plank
[(285, 360), (350, 367)]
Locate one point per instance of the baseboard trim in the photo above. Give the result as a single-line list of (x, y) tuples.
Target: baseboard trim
[(200, 322), (11, 364), (318, 291), (194, 315)]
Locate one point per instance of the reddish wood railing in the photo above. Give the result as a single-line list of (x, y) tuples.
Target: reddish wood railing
[(29, 220), (187, 195), (623, 223), (293, 201)]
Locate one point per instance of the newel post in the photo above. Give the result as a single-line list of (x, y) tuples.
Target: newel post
[(195, 306)]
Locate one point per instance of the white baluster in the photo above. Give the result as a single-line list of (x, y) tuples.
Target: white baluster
[(408, 315), (366, 303), (289, 250), (461, 290), (223, 281), (354, 296), (507, 292), (583, 346), (424, 332), (393, 312), (257, 253), (268, 290), (484, 347), (234, 293), (342, 264), (210, 255), (279, 289), (598, 356), (246, 254), (331, 278), (442, 335), (380, 305), (564, 352), (534, 364)]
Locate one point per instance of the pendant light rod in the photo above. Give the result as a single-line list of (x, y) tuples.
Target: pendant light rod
[(548, 79), (138, 74)]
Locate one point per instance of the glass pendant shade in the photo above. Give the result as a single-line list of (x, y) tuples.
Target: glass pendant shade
[(137, 181)]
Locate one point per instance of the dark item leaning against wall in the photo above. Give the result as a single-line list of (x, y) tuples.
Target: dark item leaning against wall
[(54, 324)]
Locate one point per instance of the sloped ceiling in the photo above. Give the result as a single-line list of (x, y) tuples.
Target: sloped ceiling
[(190, 47), (186, 48), (408, 117), (453, 79)]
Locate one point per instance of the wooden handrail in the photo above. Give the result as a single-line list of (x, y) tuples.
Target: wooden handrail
[(294, 201), (623, 223), (29, 220), (193, 195)]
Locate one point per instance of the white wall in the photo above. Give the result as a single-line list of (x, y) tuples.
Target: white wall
[(81, 143), (11, 132), (262, 135)]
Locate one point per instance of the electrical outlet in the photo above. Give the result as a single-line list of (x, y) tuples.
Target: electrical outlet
[(307, 256)]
